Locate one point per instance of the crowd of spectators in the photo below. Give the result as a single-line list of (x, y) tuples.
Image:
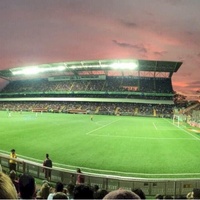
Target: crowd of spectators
[(24, 186), (91, 108), (110, 84)]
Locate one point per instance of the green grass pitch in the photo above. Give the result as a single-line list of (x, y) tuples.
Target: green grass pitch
[(116, 145)]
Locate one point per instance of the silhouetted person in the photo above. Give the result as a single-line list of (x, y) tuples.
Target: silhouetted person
[(139, 192), (83, 192), (47, 163), (26, 186)]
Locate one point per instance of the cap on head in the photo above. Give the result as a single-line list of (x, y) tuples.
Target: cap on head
[(12, 150)]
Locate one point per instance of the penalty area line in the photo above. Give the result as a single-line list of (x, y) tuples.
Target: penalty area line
[(184, 130), (88, 133), (155, 126)]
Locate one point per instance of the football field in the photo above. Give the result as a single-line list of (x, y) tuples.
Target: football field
[(115, 145)]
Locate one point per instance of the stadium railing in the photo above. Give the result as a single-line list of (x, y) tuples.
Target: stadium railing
[(150, 186)]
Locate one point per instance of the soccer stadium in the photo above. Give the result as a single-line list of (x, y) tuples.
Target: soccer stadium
[(119, 121)]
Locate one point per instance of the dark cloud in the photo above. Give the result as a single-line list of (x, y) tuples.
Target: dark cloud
[(195, 83), (149, 13), (128, 24), (138, 47), (189, 33)]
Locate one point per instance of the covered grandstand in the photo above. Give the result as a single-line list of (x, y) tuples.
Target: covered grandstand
[(96, 82)]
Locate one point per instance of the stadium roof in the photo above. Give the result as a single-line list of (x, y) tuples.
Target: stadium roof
[(94, 67)]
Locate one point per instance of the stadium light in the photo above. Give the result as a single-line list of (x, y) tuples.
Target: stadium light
[(131, 65), (29, 70), (60, 68), (32, 70), (35, 70)]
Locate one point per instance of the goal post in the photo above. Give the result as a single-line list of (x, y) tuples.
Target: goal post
[(176, 120)]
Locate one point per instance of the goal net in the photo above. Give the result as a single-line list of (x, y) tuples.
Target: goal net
[(176, 120)]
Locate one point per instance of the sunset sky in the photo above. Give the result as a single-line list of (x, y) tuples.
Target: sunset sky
[(45, 31)]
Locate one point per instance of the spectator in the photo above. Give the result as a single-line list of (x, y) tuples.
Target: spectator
[(196, 193), (58, 188), (83, 192), (26, 186), (44, 191), (47, 163), (95, 189), (100, 194), (7, 191), (80, 177), (13, 177), (121, 194), (139, 192), (60, 195), (70, 191), (13, 163)]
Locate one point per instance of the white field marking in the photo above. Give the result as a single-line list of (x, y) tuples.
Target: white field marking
[(101, 123), (184, 130), (155, 126), (162, 126), (107, 171), (148, 138), (101, 127)]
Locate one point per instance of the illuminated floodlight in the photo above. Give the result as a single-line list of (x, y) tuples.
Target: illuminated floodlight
[(130, 65), (32, 70), (76, 67), (27, 71), (60, 68), (16, 72), (104, 66), (36, 70)]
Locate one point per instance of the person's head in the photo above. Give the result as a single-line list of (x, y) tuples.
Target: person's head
[(59, 187), (190, 195), (60, 195), (26, 186), (95, 187), (139, 192), (44, 191), (83, 192), (78, 170), (7, 190), (121, 194), (12, 151), (12, 175), (100, 194), (47, 155), (70, 188)]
